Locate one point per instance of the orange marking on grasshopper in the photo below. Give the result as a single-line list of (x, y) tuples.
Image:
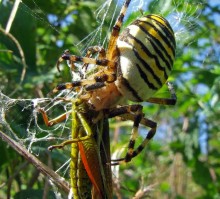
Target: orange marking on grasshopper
[(91, 164)]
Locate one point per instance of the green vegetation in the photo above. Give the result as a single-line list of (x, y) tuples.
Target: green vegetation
[(183, 160)]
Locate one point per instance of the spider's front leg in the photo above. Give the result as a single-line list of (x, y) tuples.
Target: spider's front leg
[(93, 50), (94, 81)]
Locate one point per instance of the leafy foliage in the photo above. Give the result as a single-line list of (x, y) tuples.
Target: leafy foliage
[(183, 161)]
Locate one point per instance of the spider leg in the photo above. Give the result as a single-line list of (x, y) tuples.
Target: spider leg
[(104, 75), (115, 31), (90, 85), (93, 50), (96, 49), (131, 151), (165, 101), (134, 113), (73, 58), (107, 75), (96, 81)]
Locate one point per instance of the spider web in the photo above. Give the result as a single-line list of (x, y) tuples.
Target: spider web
[(19, 114)]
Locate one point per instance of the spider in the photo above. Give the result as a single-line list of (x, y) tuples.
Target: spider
[(135, 65)]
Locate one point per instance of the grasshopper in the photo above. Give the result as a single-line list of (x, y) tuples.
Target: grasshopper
[(90, 152)]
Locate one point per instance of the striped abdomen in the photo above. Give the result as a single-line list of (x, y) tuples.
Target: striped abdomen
[(146, 54)]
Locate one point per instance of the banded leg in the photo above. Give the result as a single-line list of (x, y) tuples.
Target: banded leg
[(115, 32), (91, 84), (96, 49), (106, 75), (103, 76), (134, 113), (165, 101), (76, 71), (93, 50), (134, 152)]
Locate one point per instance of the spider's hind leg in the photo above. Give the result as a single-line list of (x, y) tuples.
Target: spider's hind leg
[(165, 101), (134, 113)]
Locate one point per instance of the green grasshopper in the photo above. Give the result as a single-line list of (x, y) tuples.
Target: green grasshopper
[(89, 172)]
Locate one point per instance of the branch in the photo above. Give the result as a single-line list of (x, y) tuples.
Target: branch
[(44, 169)]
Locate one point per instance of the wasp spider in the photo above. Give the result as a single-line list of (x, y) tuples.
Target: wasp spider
[(135, 65)]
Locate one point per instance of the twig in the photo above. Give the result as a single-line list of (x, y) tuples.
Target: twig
[(44, 169), (15, 174), (21, 54), (144, 191), (12, 16)]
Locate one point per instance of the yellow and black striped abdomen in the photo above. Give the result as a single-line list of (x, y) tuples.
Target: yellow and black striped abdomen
[(146, 54)]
